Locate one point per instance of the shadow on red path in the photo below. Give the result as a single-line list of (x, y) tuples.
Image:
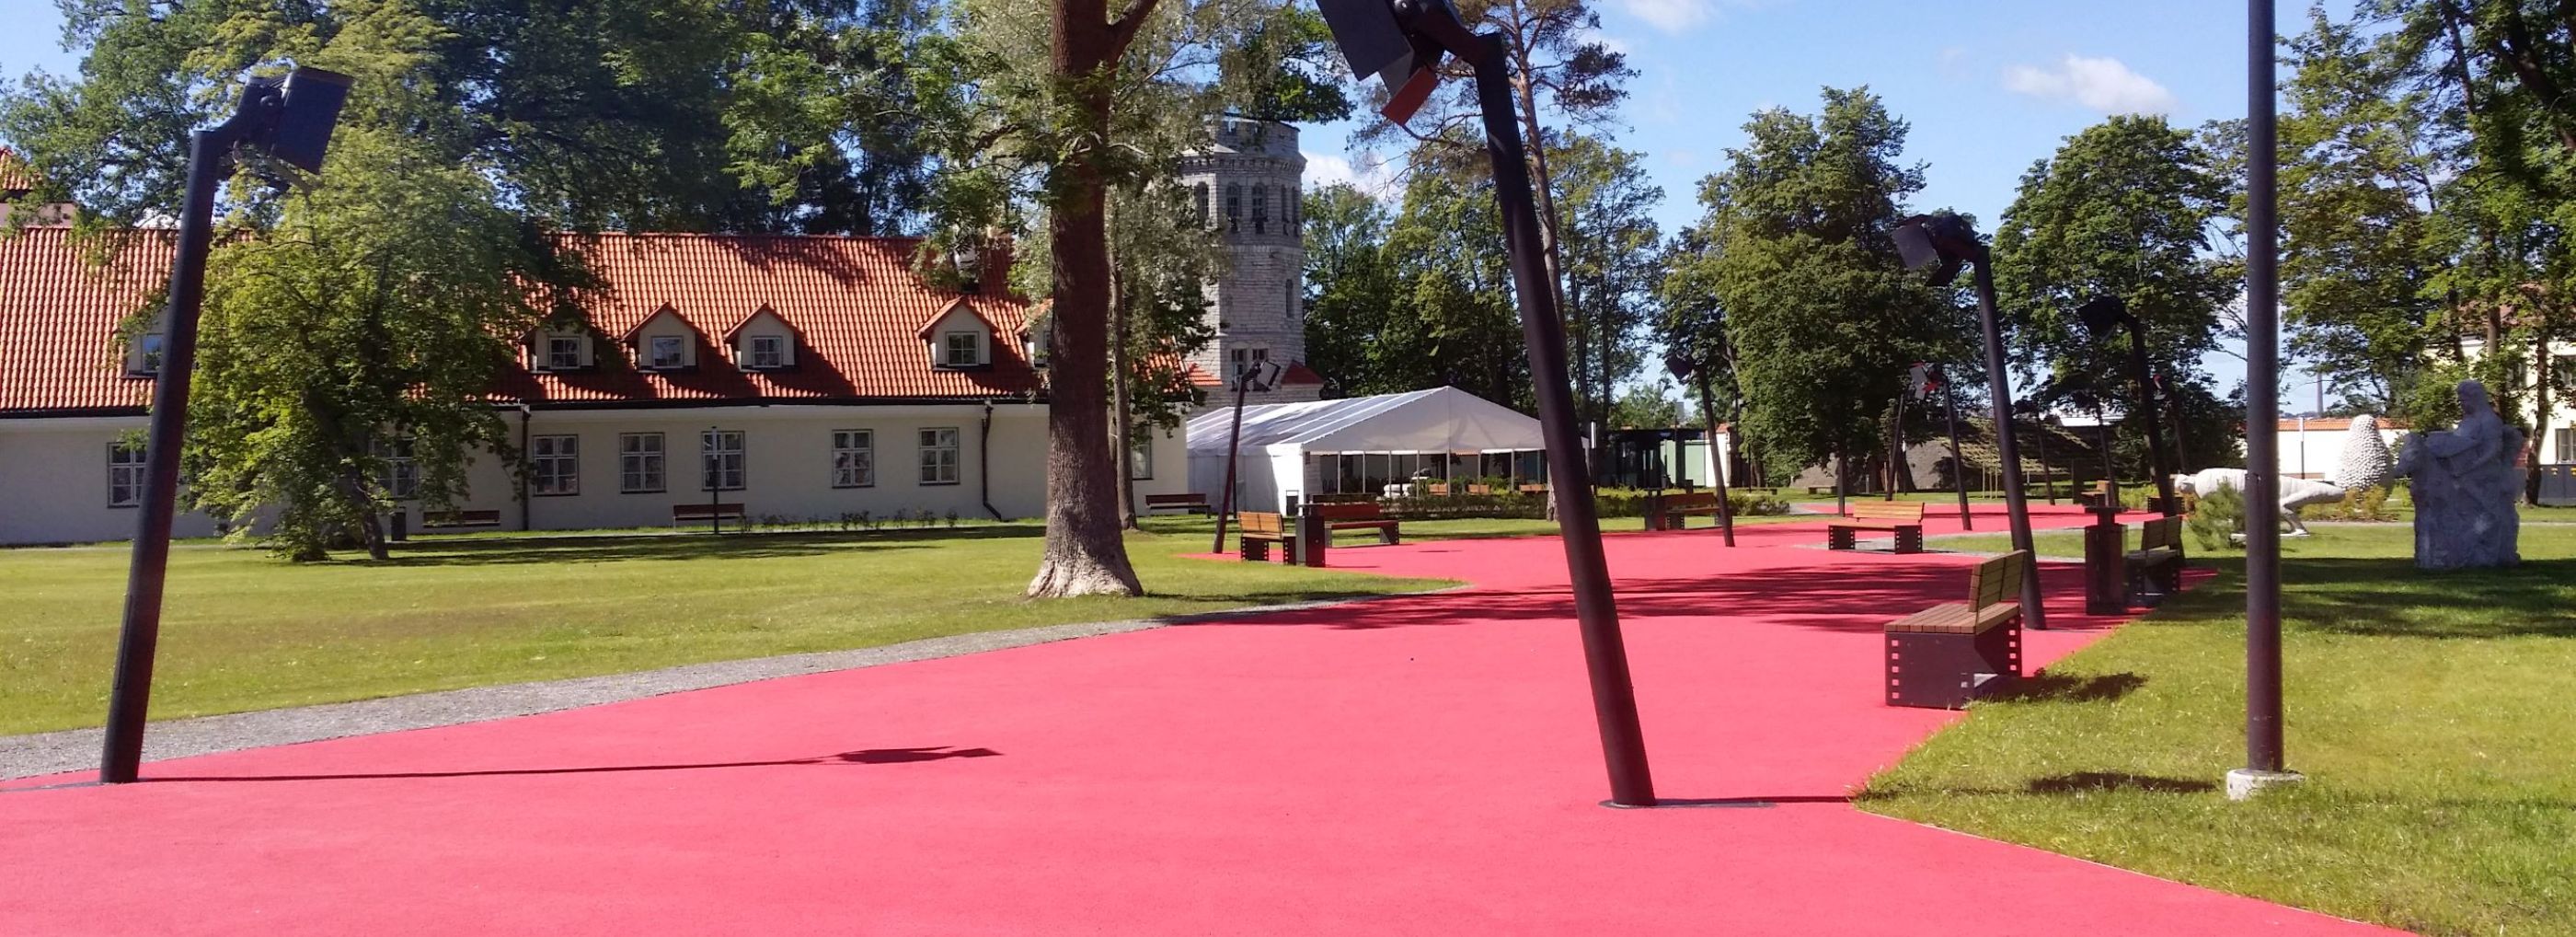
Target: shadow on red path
[(1410, 766)]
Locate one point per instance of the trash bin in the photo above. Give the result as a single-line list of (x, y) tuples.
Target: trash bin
[(2106, 561), (1309, 546)]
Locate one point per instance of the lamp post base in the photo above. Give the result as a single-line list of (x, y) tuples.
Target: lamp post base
[(2244, 783)]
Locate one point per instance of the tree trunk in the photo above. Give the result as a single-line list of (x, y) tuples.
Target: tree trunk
[(1122, 439), (2540, 422), (1085, 554)]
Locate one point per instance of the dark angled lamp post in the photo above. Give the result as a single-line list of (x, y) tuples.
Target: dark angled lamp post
[(1926, 381), (290, 120), (1938, 245), (1683, 368), (1402, 42), (2101, 316), (1255, 377), (2265, 764)]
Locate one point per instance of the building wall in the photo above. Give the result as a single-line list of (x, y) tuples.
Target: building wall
[(55, 471), (53, 483), (1259, 302)]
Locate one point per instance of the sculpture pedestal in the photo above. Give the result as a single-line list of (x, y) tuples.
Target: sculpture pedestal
[(2244, 783)]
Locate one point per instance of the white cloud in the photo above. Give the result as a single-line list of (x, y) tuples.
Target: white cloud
[(2102, 84), (1671, 16), (1371, 175)]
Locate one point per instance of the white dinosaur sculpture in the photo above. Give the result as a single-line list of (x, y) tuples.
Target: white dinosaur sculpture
[(2296, 493)]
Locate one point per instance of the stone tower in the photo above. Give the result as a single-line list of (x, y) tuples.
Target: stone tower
[(1246, 184)]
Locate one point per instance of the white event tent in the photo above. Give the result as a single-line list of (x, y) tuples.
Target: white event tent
[(1361, 444)]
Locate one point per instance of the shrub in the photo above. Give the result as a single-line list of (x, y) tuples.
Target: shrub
[(2217, 518), (2369, 504)]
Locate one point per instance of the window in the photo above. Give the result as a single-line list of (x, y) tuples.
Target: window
[(1295, 296), (1199, 194), (720, 460), (961, 349), (1234, 207), (769, 351), (664, 351), (554, 465), (1260, 208), (402, 469), (854, 458), (1292, 212), (2566, 445), (639, 463), (939, 456), (147, 353), (1141, 459), (563, 352), (1242, 361), (125, 472)]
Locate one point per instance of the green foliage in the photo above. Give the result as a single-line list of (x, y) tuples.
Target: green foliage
[(1822, 317), (1611, 262), (2217, 518), (2369, 504), (1354, 311), (1648, 405)]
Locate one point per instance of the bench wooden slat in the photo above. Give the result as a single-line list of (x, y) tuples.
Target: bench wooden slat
[(475, 518)]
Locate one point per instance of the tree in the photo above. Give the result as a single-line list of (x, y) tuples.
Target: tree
[(1459, 325), (1822, 313), (2124, 209), (1611, 265), (1354, 299), (1165, 255)]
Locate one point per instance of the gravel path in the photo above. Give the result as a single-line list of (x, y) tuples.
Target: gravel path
[(78, 749)]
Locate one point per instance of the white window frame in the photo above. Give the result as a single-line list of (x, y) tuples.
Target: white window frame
[(942, 455), (2566, 444), (949, 347), (642, 469), (723, 460), (554, 465), (1240, 362), (563, 353), (854, 458), (149, 350), (126, 473), (773, 348), (653, 347), (1140, 459), (402, 466)]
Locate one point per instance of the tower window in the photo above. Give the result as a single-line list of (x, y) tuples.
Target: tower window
[(1260, 209), (1234, 207), (1199, 193)]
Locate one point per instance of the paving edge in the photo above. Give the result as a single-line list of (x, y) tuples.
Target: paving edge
[(49, 753)]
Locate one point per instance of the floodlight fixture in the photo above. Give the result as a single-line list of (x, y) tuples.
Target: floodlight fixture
[(1937, 246)]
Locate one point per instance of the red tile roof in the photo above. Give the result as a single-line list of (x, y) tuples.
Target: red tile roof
[(855, 301), (58, 319), (15, 175)]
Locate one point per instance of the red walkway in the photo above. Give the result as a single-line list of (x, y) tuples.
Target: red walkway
[(1412, 766)]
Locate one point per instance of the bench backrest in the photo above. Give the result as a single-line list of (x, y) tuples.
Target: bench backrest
[(2161, 532), (1888, 510), (701, 511), (1190, 498), (1997, 580), (1693, 499), (1260, 522), (1350, 512)]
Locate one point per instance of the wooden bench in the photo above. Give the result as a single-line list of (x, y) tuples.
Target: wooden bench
[(1255, 531), (1670, 514), (1188, 503), (2155, 567), (1944, 656), (1903, 517), (703, 512), (1533, 489), (2098, 496), (438, 520), (1356, 517)]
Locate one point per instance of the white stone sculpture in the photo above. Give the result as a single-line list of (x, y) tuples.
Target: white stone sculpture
[(2296, 493), (2365, 456), (2465, 485)]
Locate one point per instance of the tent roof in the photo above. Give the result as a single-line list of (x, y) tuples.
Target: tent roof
[(1443, 419)]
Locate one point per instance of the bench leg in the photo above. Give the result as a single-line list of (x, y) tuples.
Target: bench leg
[(1909, 540), (1840, 538), (1386, 535), (1254, 551)]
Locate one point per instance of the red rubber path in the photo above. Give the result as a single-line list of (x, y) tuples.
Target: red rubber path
[(1412, 766)]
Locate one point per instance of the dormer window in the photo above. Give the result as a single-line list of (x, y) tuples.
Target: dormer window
[(961, 349), (563, 353), (145, 359), (665, 353), (768, 351)]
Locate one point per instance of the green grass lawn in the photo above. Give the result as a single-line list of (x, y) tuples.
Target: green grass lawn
[(244, 631), (2430, 712)]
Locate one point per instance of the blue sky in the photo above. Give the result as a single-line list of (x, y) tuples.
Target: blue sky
[(1988, 85)]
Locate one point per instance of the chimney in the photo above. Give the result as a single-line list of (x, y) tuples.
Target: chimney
[(994, 263)]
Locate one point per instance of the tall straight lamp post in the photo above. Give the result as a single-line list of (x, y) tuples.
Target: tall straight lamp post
[(1257, 376), (290, 120), (1938, 245), (2265, 764), (1402, 42)]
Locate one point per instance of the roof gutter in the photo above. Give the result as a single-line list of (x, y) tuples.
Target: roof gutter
[(984, 462)]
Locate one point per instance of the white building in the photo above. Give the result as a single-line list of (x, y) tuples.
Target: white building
[(1247, 185), (798, 377)]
